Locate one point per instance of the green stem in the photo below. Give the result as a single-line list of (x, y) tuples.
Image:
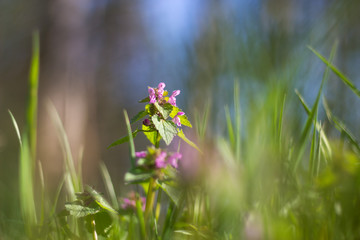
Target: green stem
[(141, 219), (150, 198), (95, 237)]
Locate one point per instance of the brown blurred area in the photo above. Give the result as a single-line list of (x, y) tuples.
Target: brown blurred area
[(98, 57)]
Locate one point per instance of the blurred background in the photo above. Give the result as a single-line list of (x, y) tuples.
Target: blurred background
[(98, 57)]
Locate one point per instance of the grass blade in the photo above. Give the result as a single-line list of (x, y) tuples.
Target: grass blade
[(346, 80), (64, 142), (33, 95), (109, 185), (131, 140), (16, 127), (341, 126)]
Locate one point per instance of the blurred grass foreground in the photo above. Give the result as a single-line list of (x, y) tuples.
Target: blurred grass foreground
[(256, 153)]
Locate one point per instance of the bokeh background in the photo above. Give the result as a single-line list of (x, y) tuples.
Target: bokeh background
[(98, 57)]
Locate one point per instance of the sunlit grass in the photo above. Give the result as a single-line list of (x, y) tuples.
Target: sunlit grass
[(262, 179)]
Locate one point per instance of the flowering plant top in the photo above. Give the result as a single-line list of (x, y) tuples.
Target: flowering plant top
[(162, 118)]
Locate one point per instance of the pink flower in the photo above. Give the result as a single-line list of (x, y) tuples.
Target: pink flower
[(152, 95), (172, 99), (160, 160), (130, 203), (176, 119), (141, 154), (173, 159), (160, 90)]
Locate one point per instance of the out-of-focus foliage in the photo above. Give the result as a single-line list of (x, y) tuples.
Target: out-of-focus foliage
[(97, 56)]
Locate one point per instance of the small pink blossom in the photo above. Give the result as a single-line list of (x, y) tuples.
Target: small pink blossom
[(141, 154), (160, 160), (176, 119), (172, 99), (130, 203), (152, 95), (173, 159), (160, 90)]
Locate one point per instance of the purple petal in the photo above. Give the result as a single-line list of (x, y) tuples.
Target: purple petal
[(176, 120), (160, 160), (175, 93), (173, 159), (172, 101), (141, 154), (161, 86)]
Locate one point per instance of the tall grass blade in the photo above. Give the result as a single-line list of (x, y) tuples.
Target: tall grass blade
[(325, 147), (109, 185), (307, 127), (341, 126), (346, 80), (27, 198), (33, 96), (16, 127), (131, 140), (237, 120), (64, 142)]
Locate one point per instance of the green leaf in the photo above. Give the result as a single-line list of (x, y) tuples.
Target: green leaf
[(150, 133), (138, 116), (175, 111), (167, 129), (138, 176), (183, 137), (147, 99), (123, 139), (100, 200), (174, 193), (184, 121), (77, 210), (165, 109)]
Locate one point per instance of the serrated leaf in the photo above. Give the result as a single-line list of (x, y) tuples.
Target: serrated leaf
[(100, 200), (151, 135), (147, 99), (184, 121), (138, 116), (167, 129), (183, 137), (123, 139), (77, 210), (174, 193), (165, 109), (138, 176)]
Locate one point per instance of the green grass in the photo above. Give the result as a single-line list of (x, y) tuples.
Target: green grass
[(262, 179)]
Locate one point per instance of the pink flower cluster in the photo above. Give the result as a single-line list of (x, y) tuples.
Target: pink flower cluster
[(161, 159), (157, 94), (130, 203)]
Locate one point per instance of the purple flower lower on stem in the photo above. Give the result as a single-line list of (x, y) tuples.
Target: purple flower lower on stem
[(176, 119), (160, 160), (173, 159), (141, 154), (130, 203)]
